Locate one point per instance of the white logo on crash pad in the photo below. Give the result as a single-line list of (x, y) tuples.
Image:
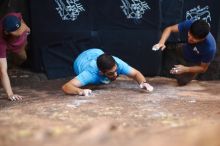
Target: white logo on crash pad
[(69, 9), (134, 9), (199, 13)]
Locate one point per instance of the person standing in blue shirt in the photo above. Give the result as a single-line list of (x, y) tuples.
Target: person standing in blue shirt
[(93, 66), (198, 51)]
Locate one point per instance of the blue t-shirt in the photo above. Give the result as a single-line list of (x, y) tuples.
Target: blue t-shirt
[(87, 71), (200, 52)]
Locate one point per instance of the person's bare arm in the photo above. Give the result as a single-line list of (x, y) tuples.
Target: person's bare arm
[(4, 77), (180, 69), (73, 87), (5, 80), (165, 35), (199, 69), (138, 76)]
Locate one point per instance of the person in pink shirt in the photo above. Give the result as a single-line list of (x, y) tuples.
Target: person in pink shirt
[(13, 38)]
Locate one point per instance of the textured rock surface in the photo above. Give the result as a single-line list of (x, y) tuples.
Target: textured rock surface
[(116, 114)]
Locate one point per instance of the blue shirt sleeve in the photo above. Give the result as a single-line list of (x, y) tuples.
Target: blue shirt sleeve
[(123, 68), (184, 26), (86, 78), (207, 58)]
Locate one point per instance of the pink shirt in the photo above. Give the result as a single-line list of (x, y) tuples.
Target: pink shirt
[(12, 46)]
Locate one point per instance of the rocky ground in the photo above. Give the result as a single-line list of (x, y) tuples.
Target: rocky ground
[(116, 114)]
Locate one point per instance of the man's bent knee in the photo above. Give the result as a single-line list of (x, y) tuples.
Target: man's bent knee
[(184, 79), (182, 82)]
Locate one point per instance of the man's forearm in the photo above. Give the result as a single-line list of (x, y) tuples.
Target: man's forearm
[(196, 69), (165, 35), (68, 88), (139, 78), (6, 83)]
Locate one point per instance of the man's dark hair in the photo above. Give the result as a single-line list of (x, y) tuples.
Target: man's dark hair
[(199, 29), (105, 62)]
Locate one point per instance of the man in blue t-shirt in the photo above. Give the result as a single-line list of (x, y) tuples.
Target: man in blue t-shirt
[(198, 51), (93, 66)]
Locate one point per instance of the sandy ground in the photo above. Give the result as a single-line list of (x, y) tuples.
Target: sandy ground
[(116, 114)]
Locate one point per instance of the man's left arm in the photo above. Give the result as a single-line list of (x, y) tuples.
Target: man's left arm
[(138, 76), (180, 69), (129, 71)]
